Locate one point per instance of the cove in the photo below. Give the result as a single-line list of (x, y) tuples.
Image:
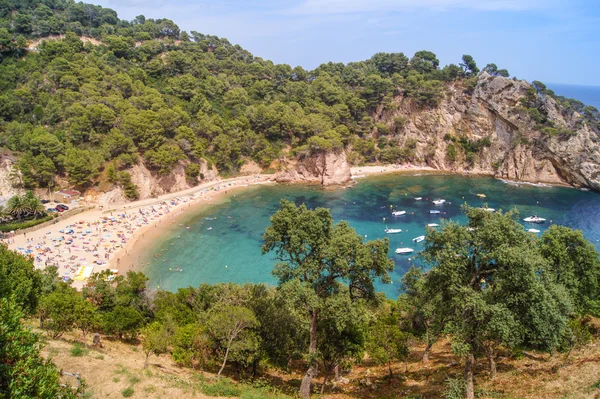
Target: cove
[(222, 242)]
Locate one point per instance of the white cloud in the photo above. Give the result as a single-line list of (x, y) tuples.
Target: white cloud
[(355, 6)]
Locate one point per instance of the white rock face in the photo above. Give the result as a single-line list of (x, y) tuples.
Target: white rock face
[(323, 168), (517, 149)]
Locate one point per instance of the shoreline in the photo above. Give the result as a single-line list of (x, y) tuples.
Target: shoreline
[(97, 239), (370, 170), (144, 223), (136, 251)]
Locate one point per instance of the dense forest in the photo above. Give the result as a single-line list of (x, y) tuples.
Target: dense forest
[(103, 93)]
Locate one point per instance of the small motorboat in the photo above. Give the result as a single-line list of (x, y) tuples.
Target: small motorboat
[(481, 195), (489, 209), (392, 231), (398, 213), (439, 202), (418, 239), (210, 228), (432, 225), (418, 198), (534, 219), (533, 231), (433, 211), (403, 251)]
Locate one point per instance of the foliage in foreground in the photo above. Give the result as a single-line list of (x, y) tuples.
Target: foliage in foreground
[(491, 287), (23, 372)]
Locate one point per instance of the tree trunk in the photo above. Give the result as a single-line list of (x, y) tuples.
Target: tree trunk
[(312, 349), (146, 361), (336, 370), (492, 365), (254, 367), (325, 380), (390, 369), (225, 359), (425, 358), (470, 390)]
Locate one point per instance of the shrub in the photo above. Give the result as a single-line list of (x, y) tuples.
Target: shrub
[(455, 388), (129, 187), (382, 129), (222, 387), (127, 392), (24, 225), (78, 350), (192, 171), (451, 152), (400, 122)]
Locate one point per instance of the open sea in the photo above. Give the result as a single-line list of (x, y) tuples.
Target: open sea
[(223, 242), (589, 95)]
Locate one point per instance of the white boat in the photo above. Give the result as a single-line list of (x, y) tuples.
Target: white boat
[(434, 212), (418, 198), (398, 213), (404, 250), (432, 225), (392, 231), (489, 209), (534, 219), (533, 231), (418, 239), (210, 228), (439, 202)]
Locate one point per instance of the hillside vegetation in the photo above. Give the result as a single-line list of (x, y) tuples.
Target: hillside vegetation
[(491, 297), (104, 93)]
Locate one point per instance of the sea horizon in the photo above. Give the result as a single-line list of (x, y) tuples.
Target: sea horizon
[(587, 94)]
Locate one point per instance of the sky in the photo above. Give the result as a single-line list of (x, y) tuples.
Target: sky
[(554, 41)]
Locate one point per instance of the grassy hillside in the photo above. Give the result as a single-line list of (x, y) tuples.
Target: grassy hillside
[(117, 367)]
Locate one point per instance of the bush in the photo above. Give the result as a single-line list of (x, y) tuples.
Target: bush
[(451, 152), (400, 122), (24, 225), (78, 350), (127, 392), (455, 388), (192, 171), (129, 187), (222, 387)]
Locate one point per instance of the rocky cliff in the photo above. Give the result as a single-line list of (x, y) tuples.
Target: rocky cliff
[(326, 168), (150, 184), (508, 142)]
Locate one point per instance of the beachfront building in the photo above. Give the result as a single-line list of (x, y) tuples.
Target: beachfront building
[(67, 196)]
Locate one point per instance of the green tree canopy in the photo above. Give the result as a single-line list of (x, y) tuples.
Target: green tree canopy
[(318, 255), (23, 371)]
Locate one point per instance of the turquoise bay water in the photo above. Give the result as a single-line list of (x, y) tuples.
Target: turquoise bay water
[(230, 251)]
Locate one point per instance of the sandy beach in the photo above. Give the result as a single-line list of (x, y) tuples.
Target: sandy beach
[(363, 171), (100, 239), (117, 237)]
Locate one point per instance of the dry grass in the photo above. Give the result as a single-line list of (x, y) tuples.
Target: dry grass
[(113, 370)]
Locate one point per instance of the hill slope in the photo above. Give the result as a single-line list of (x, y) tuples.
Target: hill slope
[(101, 95)]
